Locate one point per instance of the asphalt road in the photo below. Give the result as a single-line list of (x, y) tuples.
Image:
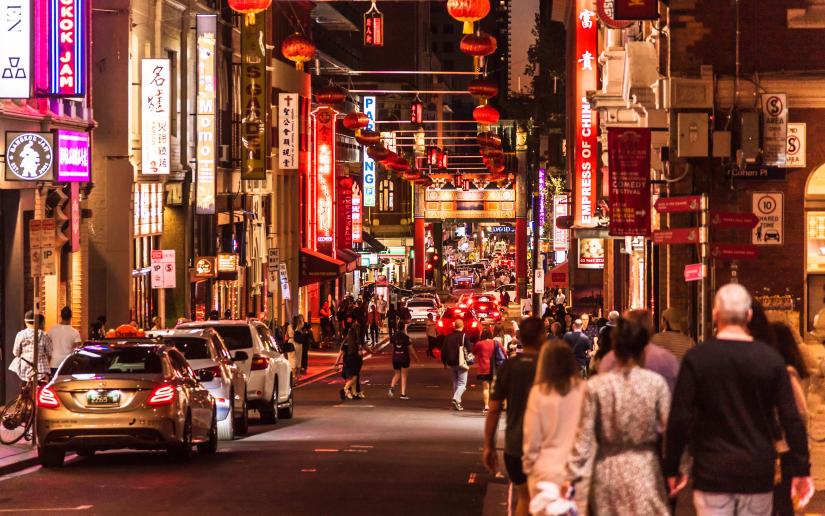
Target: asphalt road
[(376, 456)]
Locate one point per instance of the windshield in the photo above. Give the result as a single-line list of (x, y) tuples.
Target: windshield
[(422, 303), (100, 360), (235, 337), (192, 349)]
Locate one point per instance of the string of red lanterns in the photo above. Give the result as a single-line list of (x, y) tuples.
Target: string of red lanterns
[(468, 11), (298, 49)]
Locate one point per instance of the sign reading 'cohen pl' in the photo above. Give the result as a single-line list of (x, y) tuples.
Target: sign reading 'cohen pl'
[(29, 156)]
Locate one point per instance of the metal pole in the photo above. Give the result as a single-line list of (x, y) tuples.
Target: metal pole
[(35, 355), (703, 252), (536, 296)]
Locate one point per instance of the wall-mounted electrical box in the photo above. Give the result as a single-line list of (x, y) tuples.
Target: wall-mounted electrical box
[(747, 134), (693, 137)]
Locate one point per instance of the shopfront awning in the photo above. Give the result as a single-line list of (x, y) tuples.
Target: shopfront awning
[(558, 276), (372, 243), (314, 267), (350, 258)]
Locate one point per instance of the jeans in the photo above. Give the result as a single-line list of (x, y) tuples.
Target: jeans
[(459, 377), (374, 333), (731, 504)]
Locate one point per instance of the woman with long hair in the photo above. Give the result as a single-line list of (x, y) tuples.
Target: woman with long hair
[(552, 416), (402, 350), (623, 414), (350, 355)]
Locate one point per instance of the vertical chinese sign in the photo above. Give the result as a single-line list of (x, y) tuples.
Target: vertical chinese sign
[(561, 237), (323, 124), (373, 27), (16, 50), (542, 200), (369, 164), (585, 78), (155, 98), (357, 215), (206, 26), (287, 131), (629, 164), (254, 105), (344, 221), (68, 37)]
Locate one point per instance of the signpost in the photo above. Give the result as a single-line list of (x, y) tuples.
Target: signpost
[(163, 269), (680, 236), (41, 247), (273, 260), (686, 204), (733, 219)]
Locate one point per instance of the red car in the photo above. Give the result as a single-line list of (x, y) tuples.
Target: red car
[(485, 308), (472, 326)]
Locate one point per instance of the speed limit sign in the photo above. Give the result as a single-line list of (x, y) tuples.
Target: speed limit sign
[(767, 206)]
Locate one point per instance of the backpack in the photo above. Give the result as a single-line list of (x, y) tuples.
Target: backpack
[(498, 354)]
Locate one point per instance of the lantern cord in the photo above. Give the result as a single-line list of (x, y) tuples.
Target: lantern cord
[(373, 9)]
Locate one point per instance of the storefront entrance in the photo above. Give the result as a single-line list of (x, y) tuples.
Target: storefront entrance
[(815, 252)]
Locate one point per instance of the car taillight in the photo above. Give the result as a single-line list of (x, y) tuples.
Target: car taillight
[(215, 370), (47, 398), (259, 362), (440, 324), (163, 394), (462, 305), (474, 324)]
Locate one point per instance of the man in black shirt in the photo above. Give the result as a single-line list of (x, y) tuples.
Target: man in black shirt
[(581, 346), (451, 357), (512, 384), (728, 395)]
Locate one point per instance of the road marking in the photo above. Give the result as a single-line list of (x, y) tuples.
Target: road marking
[(361, 446), (356, 451), (51, 509), (326, 450), (472, 478), (309, 470), (350, 405)]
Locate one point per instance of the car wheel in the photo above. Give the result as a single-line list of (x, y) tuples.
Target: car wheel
[(85, 453), (211, 446), (242, 422), (286, 412), (50, 457), (269, 413), (183, 452)]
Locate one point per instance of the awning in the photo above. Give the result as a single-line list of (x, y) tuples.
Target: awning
[(558, 276), (314, 267), (350, 258), (373, 243)]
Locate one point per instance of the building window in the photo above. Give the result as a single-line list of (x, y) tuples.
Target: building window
[(386, 195)]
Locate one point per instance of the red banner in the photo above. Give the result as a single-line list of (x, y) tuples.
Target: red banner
[(685, 204), (344, 223), (680, 236), (324, 168), (636, 9), (629, 163), (586, 120)]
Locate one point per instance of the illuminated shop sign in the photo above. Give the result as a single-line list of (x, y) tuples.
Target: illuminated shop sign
[(227, 262), (29, 156), (15, 52), (373, 27), (561, 237), (206, 25), (73, 156), (67, 47), (288, 131), (324, 168), (357, 215), (584, 157), (469, 204), (148, 209), (369, 164), (254, 102), (154, 123), (205, 267)]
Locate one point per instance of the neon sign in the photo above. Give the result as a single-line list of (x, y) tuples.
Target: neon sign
[(369, 164), (586, 122), (206, 26), (324, 140), (67, 47)]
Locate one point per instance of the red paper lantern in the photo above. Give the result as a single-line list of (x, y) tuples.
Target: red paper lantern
[(479, 44), (492, 152), (298, 49), (373, 27), (355, 121), (250, 8), (331, 95), (417, 112), (484, 88), (368, 137), (378, 152), (400, 165), (391, 158), (468, 11), (488, 139), (485, 114)]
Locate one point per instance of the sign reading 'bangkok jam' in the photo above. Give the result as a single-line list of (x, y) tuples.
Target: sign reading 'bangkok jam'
[(254, 105), (68, 37), (73, 156), (29, 156), (628, 150)]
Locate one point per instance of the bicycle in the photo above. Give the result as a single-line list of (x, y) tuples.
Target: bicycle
[(17, 418)]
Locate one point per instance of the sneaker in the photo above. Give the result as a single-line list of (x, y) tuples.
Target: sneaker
[(403, 397), (458, 406), (360, 396), (390, 393), (455, 404)]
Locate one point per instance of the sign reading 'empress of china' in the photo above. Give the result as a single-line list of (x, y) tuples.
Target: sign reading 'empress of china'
[(29, 156), (586, 122)]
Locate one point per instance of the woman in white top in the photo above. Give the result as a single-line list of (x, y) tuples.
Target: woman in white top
[(552, 416)]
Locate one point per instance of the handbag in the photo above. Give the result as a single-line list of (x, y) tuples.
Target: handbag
[(462, 358), (469, 358), (499, 355)]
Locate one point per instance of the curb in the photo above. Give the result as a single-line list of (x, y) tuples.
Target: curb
[(10, 465)]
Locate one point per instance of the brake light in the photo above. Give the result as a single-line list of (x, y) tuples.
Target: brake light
[(215, 370), (163, 394), (440, 323), (47, 398), (259, 362), (462, 305), (474, 324)]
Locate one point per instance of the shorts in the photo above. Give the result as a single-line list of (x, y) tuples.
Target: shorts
[(401, 364), (485, 378), (513, 466)]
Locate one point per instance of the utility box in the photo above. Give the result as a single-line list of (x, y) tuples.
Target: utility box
[(747, 134), (722, 144), (693, 137)]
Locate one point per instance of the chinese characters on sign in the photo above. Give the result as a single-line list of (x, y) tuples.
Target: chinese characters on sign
[(629, 163), (369, 164), (73, 156), (15, 52), (29, 156), (163, 269), (155, 95), (373, 28), (206, 39), (357, 221), (254, 104), (67, 47), (561, 237), (148, 209), (324, 161), (774, 129), (586, 119), (288, 131), (344, 221)]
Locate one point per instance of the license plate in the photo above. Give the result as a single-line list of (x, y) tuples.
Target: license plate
[(482, 315), (103, 398)]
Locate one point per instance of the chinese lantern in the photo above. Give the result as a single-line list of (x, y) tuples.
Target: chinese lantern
[(298, 49), (356, 121), (400, 165), (250, 8), (368, 137), (488, 139), (492, 152), (468, 11), (485, 114), (331, 95), (478, 45), (417, 112), (373, 27), (390, 158), (484, 88), (378, 152)]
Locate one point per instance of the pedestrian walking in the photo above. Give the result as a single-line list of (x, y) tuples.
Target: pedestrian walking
[(489, 356), (552, 416), (307, 340), (23, 350), (351, 355), (64, 339), (402, 350), (581, 346), (605, 336), (404, 315), (392, 320), (512, 387), (454, 357), (505, 300), (383, 307), (325, 315), (729, 393), (98, 329), (374, 322), (623, 413), (295, 337), (671, 337), (432, 335)]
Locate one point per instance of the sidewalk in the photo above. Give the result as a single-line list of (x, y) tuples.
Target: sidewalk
[(15, 457)]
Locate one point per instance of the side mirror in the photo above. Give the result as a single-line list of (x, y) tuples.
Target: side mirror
[(205, 375), (240, 356)]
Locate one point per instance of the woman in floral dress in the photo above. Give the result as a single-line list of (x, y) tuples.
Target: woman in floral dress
[(623, 414)]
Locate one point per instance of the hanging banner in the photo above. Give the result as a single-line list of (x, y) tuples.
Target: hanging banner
[(585, 78), (323, 125), (357, 218), (373, 27), (591, 253), (16, 50), (344, 222), (795, 154), (629, 165), (561, 237), (369, 165), (154, 122), (774, 129), (288, 131), (636, 9), (206, 25), (68, 37), (254, 105)]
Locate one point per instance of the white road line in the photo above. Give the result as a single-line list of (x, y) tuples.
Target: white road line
[(50, 509)]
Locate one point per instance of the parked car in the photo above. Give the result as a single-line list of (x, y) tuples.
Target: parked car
[(420, 309), (140, 395), (269, 377), (472, 326), (204, 349), (428, 295)]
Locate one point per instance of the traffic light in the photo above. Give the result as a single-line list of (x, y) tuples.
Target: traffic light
[(57, 207)]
